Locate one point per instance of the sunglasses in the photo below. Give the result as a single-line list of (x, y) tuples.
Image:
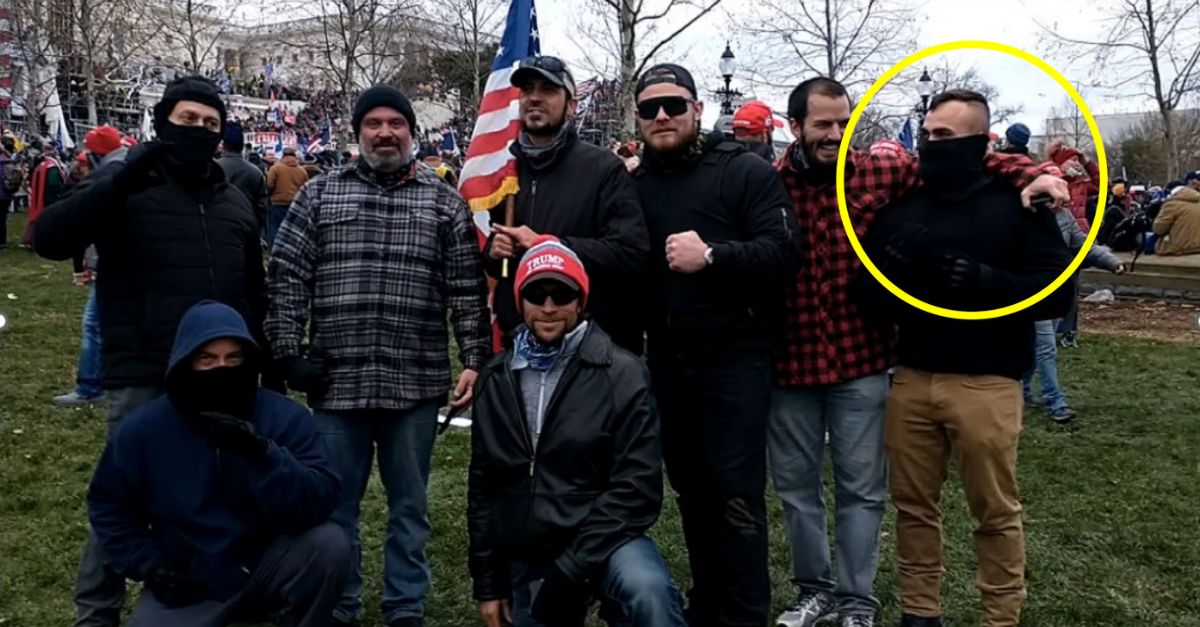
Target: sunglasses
[(673, 105), (555, 291), (554, 65)]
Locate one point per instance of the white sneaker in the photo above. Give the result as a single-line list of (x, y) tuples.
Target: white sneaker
[(812, 607)]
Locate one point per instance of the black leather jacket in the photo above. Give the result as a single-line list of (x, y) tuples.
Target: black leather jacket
[(593, 483)]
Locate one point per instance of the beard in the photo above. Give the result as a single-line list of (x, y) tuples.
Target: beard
[(684, 141), (550, 128), (391, 162)]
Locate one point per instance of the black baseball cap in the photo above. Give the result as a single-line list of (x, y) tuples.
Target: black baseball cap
[(553, 69), (1193, 175), (666, 73)]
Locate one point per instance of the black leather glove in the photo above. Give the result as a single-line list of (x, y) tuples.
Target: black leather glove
[(237, 436), (962, 272), (174, 589), (561, 602), (141, 170), (310, 376)]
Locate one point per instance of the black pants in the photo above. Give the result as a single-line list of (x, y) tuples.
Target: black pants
[(714, 409), (4, 205)]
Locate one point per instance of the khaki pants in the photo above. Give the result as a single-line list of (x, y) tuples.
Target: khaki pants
[(977, 419)]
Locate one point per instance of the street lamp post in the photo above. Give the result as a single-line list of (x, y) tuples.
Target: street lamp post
[(925, 88), (728, 67)]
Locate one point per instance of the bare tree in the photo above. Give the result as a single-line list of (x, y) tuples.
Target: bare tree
[(358, 42), (35, 58), (949, 75), (626, 35), (1150, 45), (474, 27), (1066, 122), (850, 41), (109, 34), (199, 28), (1141, 150)]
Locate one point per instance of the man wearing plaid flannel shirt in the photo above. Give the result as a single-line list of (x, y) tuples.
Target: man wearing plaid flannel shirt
[(378, 252), (831, 368)]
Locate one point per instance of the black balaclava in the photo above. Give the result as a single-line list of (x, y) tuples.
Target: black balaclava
[(229, 390), (953, 166)]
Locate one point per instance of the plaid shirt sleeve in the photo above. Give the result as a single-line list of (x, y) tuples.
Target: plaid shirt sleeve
[(466, 286), (1019, 170), (885, 172), (291, 273)]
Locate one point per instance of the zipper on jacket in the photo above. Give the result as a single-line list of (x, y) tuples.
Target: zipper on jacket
[(532, 201), (212, 279)]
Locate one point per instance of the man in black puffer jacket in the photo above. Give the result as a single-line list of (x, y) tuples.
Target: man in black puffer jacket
[(573, 190), (169, 232)]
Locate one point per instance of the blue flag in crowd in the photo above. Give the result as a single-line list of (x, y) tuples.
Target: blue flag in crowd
[(906, 135), (448, 144)]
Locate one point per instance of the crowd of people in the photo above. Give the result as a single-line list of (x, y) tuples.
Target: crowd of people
[(687, 302)]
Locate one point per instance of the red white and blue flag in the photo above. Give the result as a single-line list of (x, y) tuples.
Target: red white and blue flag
[(490, 171)]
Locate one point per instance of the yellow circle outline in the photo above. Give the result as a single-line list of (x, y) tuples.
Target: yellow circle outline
[(844, 149)]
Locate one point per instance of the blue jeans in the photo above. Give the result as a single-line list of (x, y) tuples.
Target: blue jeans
[(852, 414), (404, 441), (1070, 322), (275, 216), (87, 378), (636, 591), (1046, 367)]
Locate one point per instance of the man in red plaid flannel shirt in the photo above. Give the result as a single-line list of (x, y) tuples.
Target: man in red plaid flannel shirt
[(831, 367)]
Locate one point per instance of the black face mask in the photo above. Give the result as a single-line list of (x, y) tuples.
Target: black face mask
[(190, 145), (953, 165), (227, 390)]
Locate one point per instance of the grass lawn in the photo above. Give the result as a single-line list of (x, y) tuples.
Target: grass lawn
[(1112, 507)]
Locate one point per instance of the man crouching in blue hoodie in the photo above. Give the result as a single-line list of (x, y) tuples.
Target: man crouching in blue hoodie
[(218, 495)]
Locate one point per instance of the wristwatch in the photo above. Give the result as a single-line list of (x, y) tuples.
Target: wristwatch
[(708, 256)]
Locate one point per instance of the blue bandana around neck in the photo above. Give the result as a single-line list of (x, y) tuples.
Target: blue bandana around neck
[(541, 357)]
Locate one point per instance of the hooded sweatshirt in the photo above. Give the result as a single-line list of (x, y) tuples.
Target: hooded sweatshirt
[(285, 179), (162, 495)]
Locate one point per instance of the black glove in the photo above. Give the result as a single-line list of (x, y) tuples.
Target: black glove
[(962, 272), (310, 376), (561, 602), (141, 171), (230, 433), (909, 245), (174, 589)]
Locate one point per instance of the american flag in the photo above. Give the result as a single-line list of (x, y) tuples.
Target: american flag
[(490, 171)]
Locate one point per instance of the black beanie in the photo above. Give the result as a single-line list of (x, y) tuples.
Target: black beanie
[(383, 96), (193, 88)]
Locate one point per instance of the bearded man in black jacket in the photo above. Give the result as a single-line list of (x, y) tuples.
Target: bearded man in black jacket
[(573, 190), (170, 232), (961, 242)]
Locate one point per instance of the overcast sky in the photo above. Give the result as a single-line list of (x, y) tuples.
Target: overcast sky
[(1005, 21)]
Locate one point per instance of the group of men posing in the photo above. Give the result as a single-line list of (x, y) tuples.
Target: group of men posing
[(761, 334)]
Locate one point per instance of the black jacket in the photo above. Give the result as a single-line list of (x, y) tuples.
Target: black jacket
[(161, 250), (594, 482), (737, 204), (585, 196), (1021, 251), (250, 181)]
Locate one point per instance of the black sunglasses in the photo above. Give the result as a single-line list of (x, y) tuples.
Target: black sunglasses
[(673, 105), (560, 293), (553, 65)]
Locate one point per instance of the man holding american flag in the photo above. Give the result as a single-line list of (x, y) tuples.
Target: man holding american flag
[(576, 191)]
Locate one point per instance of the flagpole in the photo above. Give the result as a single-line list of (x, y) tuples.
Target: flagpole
[(510, 210)]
